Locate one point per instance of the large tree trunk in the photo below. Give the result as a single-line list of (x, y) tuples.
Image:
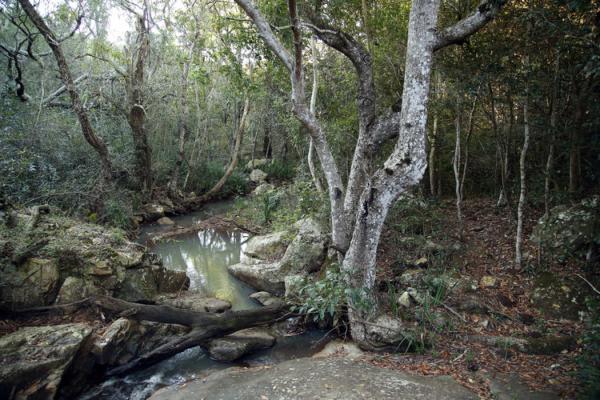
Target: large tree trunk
[(313, 105), (65, 73), (370, 196), (136, 116), (405, 166)]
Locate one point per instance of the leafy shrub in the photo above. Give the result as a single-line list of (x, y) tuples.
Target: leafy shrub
[(117, 212), (270, 200), (327, 297), (204, 176), (278, 170)]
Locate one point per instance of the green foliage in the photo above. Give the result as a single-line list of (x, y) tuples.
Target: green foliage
[(327, 298), (279, 171), (204, 176), (117, 212), (269, 200), (589, 361)]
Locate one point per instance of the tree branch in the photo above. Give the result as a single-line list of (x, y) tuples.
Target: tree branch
[(459, 32), (264, 30)]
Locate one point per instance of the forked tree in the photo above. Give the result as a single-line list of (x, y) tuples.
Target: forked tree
[(360, 206)]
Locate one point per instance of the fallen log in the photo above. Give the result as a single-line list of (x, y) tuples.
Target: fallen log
[(203, 326)]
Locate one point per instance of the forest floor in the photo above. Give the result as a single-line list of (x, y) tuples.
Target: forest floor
[(488, 249)]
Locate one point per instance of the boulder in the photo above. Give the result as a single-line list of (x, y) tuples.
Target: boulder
[(262, 189), (262, 276), (165, 221), (74, 289), (169, 280), (32, 284), (33, 360), (305, 254), (252, 164), (195, 302), (153, 212), (265, 298), (258, 176), (389, 334), (238, 344), (125, 339), (265, 248), (317, 378), (571, 231), (107, 346)]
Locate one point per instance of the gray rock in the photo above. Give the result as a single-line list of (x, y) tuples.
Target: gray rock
[(259, 162), (32, 284), (305, 254), (74, 289), (258, 176), (387, 333), (107, 347), (263, 276), (165, 221), (265, 247), (570, 231), (262, 189), (33, 360), (510, 387), (265, 298), (238, 344), (412, 277), (404, 300), (317, 378)]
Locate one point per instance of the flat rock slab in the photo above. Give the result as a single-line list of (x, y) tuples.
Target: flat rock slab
[(34, 359), (510, 387), (316, 378)]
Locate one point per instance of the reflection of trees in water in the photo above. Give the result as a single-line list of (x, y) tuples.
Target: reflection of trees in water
[(205, 257)]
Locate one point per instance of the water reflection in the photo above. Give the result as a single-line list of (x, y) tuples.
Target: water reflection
[(205, 257)]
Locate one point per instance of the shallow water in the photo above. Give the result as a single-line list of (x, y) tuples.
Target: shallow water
[(204, 256)]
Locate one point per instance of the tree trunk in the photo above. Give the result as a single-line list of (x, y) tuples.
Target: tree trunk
[(522, 170), (433, 148), (137, 114), (65, 73), (550, 158), (234, 157), (575, 147), (204, 326), (456, 164), (313, 106), (403, 169), (183, 119)]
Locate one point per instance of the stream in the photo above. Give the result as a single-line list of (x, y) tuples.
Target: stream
[(204, 256)]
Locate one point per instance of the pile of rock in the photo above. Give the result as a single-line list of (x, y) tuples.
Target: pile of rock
[(274, 262)]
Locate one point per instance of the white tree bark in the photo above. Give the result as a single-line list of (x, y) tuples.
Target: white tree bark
[(456, 162), (522, 171), (313, 106), (370, 195)]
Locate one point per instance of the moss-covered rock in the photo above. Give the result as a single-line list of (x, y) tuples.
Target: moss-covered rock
[(570, 231), (80, 259)]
